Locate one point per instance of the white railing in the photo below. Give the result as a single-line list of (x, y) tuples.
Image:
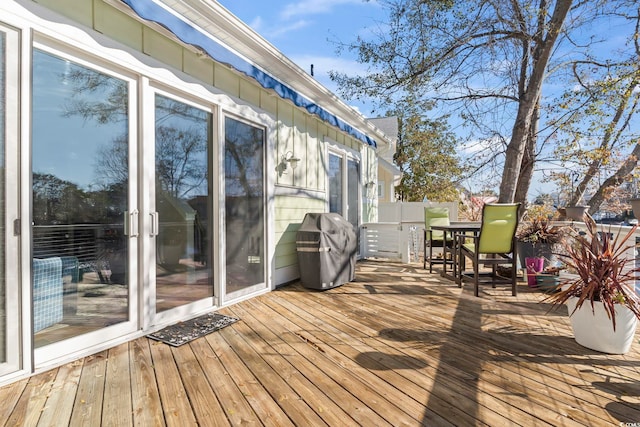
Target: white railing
[(392, 240), (403, 240), (399, 233)]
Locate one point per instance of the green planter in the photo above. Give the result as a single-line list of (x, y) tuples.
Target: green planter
[(547, 282)]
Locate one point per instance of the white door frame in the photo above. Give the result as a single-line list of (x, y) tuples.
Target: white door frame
[(11, 333)]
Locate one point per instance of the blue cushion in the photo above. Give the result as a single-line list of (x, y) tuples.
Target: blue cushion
[(47, 292)]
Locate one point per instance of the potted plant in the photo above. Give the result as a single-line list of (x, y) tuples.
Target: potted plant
[(537, 238), (577, 212), (600, 295)]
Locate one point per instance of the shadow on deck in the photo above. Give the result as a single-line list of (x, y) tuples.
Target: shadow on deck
[(398, 346)]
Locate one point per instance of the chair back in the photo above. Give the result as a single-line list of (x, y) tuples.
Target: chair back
[(435, 216), (498, 229)]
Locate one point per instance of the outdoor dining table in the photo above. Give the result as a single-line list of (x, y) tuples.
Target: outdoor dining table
[(450, 234)]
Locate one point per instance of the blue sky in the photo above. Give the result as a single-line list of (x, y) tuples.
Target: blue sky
[(306, 31)]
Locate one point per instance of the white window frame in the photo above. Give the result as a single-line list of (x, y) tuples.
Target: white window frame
[(345, 154), (268, 184)]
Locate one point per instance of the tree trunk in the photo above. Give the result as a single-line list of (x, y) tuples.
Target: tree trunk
[(615, 180), (528, 103), (528, 162), (608, 140)]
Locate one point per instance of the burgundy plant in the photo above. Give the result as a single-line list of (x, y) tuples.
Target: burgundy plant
[(603, 271), (539, 230)]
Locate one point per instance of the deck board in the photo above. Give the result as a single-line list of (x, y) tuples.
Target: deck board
[(305, 358), (87, 408), (300, 381), (28, 408), (117, 410), (266, 408), (175, 402), (62, 396), (145, 396), (398, 346), (234, 404), (9, 396), (202, 397)]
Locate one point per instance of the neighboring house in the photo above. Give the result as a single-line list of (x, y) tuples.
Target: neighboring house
[(159, 157)]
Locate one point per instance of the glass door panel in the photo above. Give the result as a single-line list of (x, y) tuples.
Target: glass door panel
[(244, 205), (80, 190), (183, 203), (353, 193), (353, 197), (335, 184)]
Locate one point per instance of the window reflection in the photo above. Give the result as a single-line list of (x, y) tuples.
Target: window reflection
[(183, 201), (335, 184), (353, 181), (244, 203), (80, 183)]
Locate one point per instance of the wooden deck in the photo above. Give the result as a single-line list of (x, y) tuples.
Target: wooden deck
[(398, 346)]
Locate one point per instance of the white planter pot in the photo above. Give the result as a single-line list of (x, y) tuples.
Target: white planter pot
[(594, 330), (576, 213)]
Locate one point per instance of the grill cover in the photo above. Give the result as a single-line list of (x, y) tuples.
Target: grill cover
[(326, 245)]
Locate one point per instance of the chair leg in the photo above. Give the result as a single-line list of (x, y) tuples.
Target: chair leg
[(458, 260), (431, 256), (424, 252), (514, 279), (494, 275), (476, 280)]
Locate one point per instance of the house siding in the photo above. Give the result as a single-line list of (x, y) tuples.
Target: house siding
[(290, 212)]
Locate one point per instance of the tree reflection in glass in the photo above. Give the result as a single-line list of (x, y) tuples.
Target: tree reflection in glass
[(244, 205), (80, 187), (183, 203)]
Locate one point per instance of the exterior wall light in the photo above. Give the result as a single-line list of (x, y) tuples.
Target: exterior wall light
[(288, 158)]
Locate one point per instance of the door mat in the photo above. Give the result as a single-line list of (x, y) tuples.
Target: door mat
[(183, 332)]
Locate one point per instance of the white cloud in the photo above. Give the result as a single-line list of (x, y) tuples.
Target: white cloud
[(283, 29), (257, 24), (312, 7), (473, 147)]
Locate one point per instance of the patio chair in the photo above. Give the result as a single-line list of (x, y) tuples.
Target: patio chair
[(435, 238), (495, 245)]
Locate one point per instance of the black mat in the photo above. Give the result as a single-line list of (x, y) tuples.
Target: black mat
[(183, 332)]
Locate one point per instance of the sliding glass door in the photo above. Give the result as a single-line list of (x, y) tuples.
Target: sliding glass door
[(84, 220), (244, 206), (182, 206)]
